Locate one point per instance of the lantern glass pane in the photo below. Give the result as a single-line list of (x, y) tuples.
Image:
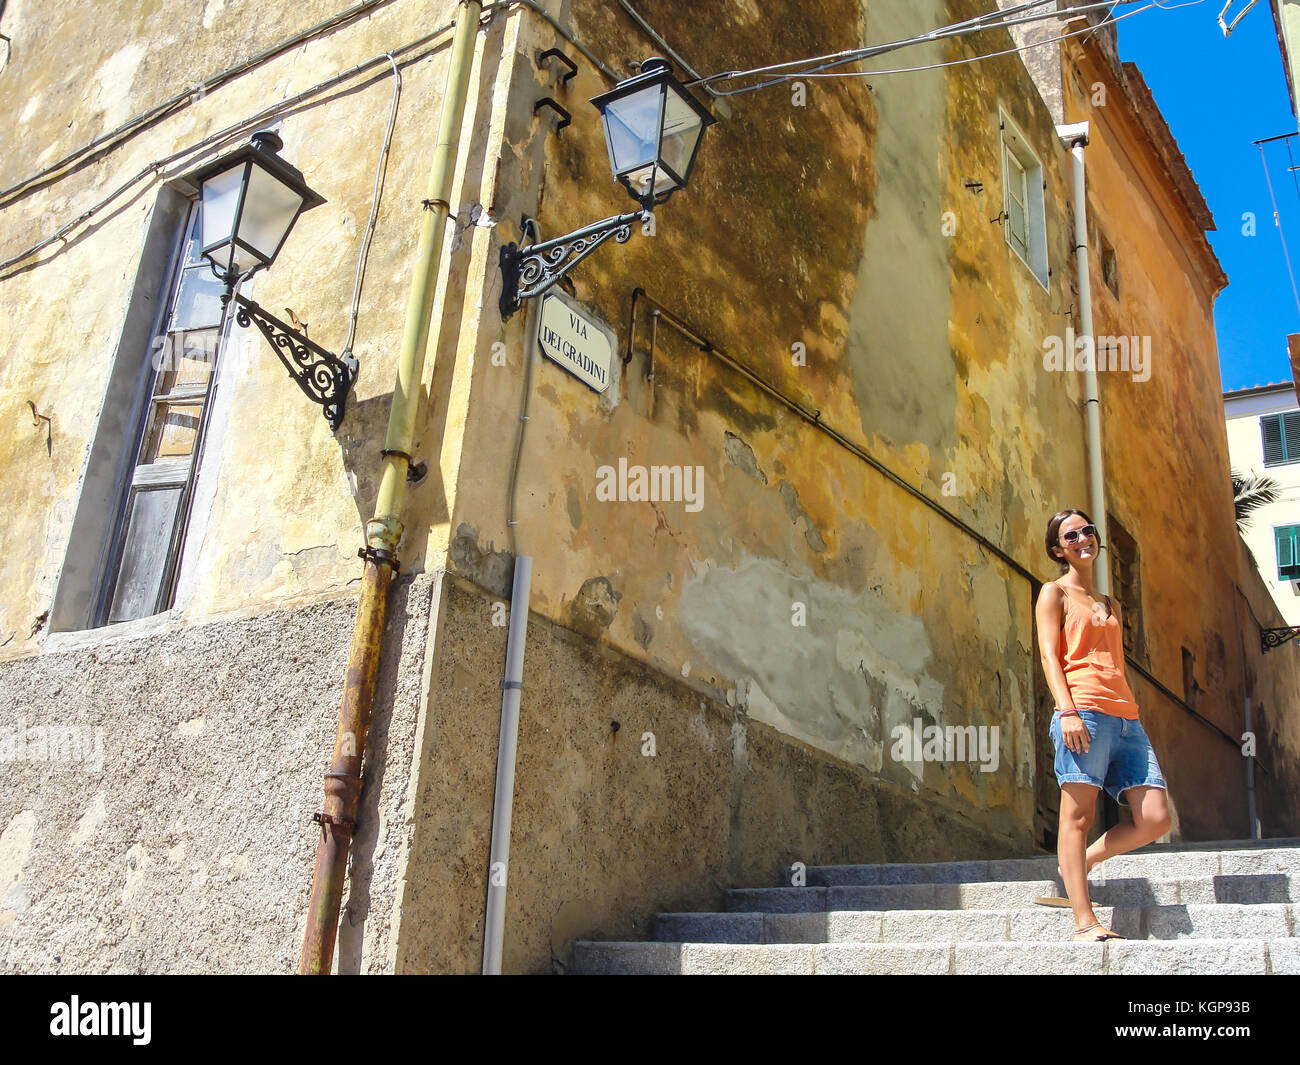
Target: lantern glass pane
[(220, 201), (270, 208), (682, 128), (639, 179), (632, 128)]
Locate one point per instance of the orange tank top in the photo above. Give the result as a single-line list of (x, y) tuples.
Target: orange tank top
[(1092, 656)]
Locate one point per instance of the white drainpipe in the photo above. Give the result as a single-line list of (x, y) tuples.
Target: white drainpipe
[(1076, 136)]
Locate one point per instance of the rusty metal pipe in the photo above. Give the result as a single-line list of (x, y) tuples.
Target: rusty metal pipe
[(343, 781), (384, 530)]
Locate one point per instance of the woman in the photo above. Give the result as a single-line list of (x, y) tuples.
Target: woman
[(1095, 729)]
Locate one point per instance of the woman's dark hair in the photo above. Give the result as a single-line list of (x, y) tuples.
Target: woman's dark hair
[(1054, 534)]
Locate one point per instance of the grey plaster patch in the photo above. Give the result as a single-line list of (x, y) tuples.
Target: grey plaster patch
[(791, 499), (840, 683), (596, 604), (898, 326), (741, 455), (641, 631), (490, 569)]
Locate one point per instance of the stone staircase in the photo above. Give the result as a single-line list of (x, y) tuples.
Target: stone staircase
[(1225, 908)]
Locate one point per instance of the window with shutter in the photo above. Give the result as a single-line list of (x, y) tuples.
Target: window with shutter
[(1281, 436), (1291, 435), (1024, 218), (1288, 552), (1017, 197)]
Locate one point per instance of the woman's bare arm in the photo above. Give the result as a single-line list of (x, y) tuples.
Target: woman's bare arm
[(1048, 615)]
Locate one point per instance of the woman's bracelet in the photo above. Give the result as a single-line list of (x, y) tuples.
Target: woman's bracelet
[(1063, 710)]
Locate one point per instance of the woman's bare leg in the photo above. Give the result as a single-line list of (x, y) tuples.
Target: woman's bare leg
[(1150, 821), (1078, 804)]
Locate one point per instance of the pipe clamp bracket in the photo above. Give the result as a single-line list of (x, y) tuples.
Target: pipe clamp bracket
[(379, 557)]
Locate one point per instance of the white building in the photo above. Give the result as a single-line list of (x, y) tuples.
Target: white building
[(1264, 440)]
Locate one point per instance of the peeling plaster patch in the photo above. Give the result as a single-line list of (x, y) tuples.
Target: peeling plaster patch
[(739, 746), (840, 684), (492, 570), (699, 728), (741, 455), (193, 727), (595, 607), (211, 11), (15, 848), (791, 498), (28, 112), (89, 822), (113, 84), (642, 632)]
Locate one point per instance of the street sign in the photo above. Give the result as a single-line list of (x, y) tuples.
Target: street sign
[(576, 341)]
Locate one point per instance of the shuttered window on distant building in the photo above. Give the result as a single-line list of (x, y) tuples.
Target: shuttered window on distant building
[(1281, 434), (1287, 538)]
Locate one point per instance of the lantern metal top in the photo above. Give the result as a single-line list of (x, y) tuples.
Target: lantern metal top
[(264, 148)]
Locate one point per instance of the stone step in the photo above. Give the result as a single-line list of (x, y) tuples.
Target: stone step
[(1128, 957), (1148, 862), (1248, 888), (1223, 921)]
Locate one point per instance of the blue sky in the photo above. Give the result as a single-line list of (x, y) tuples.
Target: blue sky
[(1218, 96)]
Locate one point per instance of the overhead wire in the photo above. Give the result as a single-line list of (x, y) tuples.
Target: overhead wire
[(1277, 221), (999, 20), (180, 100), (381, 171), (986, 20), (223, 136), (983, 55)]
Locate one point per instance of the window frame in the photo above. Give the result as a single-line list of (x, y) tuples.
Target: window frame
[(141, 477), (1015, 145), (1294, 529)]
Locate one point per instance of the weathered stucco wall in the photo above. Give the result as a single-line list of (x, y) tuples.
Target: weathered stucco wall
[(838, 244), (818, 227), (189, 847), (604, 835), (282, 501)]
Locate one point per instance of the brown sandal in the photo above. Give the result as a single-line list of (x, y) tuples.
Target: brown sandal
[(1095, 938)]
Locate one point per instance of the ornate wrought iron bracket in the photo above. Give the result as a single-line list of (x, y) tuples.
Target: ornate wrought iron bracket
[(323, 376), (1270, 638), (532, 269)]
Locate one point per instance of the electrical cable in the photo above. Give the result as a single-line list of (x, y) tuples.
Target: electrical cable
[(850, 55), (180, 100), (942, 33), (1277, 221), (983, 55), (221, 136), (381, 170)]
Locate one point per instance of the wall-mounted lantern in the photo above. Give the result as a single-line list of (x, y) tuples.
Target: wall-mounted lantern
[(653, 130), (249, 200)]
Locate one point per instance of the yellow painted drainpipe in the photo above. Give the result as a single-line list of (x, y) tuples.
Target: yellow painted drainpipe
[(384, 530)]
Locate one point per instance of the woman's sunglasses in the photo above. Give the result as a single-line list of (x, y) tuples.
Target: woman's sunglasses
[(1075, 535)]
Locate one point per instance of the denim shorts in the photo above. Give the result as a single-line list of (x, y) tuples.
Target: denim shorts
[(1119, 755)]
